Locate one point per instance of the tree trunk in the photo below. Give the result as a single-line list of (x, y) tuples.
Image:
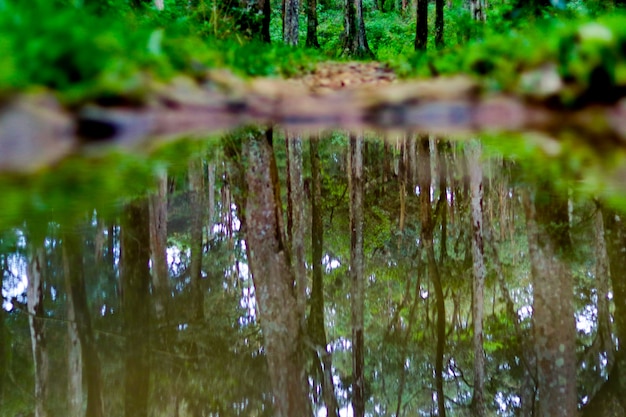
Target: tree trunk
[(274, 280), (476, 189), (477, 10), (4, 342), (36, 313), (421, 26), (266, 9), (603, 303), (77, 298), (317, 331), (297, 231), (426, 217), (311, 25), (74, 357), (357, 273), (291, 10), (438, 23), (159, 4), (355, 38), (158, 248), (135, 277), (196, 207), (553, 315), (610, 400)]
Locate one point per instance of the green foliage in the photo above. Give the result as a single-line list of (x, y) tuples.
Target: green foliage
[(84, 56)]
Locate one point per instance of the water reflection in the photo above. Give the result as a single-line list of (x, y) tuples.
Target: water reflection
[(268, 275)]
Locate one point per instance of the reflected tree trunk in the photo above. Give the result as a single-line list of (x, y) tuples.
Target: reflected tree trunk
[(77, 298), (357, 273), (4, 342), (480, 271), (135, 277), (528, 383), (196, 203), (74, 358), (36, 313), (549, 247), (610, 399), (296, 214), (274, 280), (605, 341), (316, 329), (426, 217), (158, 248)]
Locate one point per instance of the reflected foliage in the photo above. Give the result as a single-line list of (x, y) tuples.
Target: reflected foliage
[(197, 342)]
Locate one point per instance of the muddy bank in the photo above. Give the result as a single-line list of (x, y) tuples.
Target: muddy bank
[(36, 130)]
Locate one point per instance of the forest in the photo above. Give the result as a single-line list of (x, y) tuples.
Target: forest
[(330, 208)]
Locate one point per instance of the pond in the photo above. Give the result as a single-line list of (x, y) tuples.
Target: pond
[(270, 273)]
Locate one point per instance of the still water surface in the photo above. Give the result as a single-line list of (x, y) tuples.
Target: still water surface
[(259, 275)]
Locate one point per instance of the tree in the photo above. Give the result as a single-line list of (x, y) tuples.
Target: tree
[(291, 10), (421, 26), (439, 23), (36, 314), (427, 221), (610, 400), (357, 273), (158, 248), (77, 298), (196, 206), (355, 38), (479, 270), (274, 279), (311, 24), (316, 322), (135, 278), (549, 247), (477, 10)]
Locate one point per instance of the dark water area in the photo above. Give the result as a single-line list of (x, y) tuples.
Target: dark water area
[(264, 273)]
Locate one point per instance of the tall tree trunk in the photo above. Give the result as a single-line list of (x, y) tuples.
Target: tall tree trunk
[(610, 400), (478, 256), (317, 331), (135, 277), (266, 9), (421, 26), (196, 203), (4, 342), (602, 278), (77, 297), (439, 23), (424, 181), (36, 313), (355, 38), (553, 315), (74, 357), (291, 11), (311, 25), (357, 273), (274, 280), (477, 10), (296, 208), (158, 248)]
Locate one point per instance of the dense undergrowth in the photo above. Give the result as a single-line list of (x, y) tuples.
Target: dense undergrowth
[(84, 52)]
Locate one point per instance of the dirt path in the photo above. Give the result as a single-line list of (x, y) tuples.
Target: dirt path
[(332, 76)]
